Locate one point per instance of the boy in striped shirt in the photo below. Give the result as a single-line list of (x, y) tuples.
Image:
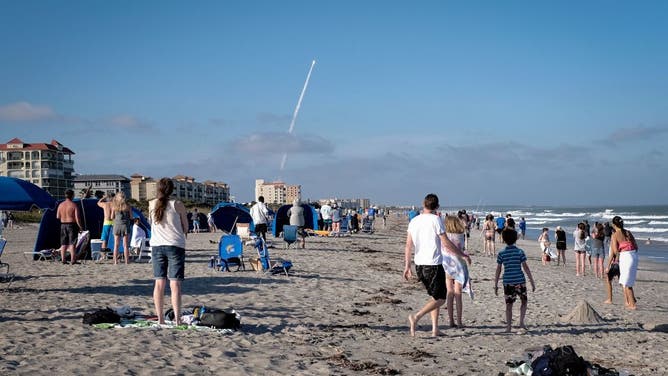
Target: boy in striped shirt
[(513, 260)]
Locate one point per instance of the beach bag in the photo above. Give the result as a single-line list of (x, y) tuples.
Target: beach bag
[(568, 363), (102, 316), (219, 319)]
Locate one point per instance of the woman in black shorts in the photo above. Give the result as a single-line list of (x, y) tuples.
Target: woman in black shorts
[(560, 236)]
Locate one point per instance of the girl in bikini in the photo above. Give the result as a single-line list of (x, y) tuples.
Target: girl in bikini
[(488, 233)]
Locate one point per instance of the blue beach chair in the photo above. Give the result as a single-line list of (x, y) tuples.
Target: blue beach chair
[(275, 267), (230, 252), (289, 235), (6, 277)]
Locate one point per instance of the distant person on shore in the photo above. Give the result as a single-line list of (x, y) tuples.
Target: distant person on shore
[(326, 212), (607, 230), (597, 249), (296, 214), (512, 260), (523, 227), (196, 221), (354, 222), (488, 233), (544, 242), (138, 238), (500, 225), (579, 247), (625, 248), (122, 214), (455, 231), (560, 238), (648, 241), (169, 229), (212, 223), (260, 215), (413, 213), (426, 235), (70, 224), (336, 218), (10, 220), (108, 225), (587, 228), (3, 218)]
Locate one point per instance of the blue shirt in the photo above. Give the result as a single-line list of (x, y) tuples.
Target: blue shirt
[(523, 225), (500, 222), (512, 258), (412, 214)]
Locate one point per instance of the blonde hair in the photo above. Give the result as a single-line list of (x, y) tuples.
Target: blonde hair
[(119, 202), (453, 225)]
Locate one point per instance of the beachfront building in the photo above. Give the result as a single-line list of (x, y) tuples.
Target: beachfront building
[(348, 203), (277, 192), (49, 166), (105, 183), (185, 189)]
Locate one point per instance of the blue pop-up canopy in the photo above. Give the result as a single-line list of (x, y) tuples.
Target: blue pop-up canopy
[(226, 214), (21, 195)]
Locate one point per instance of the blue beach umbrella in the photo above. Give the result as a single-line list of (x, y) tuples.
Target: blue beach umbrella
[(20, 195)]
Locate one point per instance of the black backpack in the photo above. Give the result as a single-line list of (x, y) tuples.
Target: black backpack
[(102, 316), (562, 361), (219, 319)]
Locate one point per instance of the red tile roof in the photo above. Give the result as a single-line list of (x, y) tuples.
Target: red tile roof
[(39, 146)]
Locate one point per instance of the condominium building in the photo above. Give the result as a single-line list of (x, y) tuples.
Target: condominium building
[(49, 166), (277, 192), (185, 189), (105, 183)]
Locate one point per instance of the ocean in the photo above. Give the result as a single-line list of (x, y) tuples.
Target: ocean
[(645, 222)]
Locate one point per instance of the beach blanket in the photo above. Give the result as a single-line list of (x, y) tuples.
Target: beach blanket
[(153, 325), (457, 269)]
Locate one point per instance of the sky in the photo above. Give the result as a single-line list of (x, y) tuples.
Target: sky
[(486, 102)]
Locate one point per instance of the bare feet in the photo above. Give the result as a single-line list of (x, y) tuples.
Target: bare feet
[(632, 307), (437, 333), (607, 301), (411, 321)]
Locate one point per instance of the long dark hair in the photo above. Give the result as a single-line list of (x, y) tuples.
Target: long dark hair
[(164, 190), (581, 227), (619, 222)]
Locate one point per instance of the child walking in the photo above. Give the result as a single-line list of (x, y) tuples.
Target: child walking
[(513, 260)]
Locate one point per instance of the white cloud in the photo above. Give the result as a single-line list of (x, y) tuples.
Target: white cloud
[(129, 122), (24, 111)]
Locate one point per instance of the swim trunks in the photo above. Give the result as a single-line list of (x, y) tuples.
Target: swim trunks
[(510, 292), (433, 279), (68, 233), (107, 230)]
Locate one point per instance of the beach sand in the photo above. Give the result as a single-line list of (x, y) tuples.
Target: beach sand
[(343, 312)]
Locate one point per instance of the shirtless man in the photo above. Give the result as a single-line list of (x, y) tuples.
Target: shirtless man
[(68, 214), (108, 225)]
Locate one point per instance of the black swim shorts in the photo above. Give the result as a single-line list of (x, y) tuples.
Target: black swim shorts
[(68, 233), (613, 272), (511, 292), (433, 279)]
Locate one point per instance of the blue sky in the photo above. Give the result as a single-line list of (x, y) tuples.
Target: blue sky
[(514, 102)]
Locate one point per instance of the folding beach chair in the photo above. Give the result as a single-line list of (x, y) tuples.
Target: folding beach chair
[(289, 235), (367, 225), (5, 277), (230, 252), (268, 266), (82, 246)]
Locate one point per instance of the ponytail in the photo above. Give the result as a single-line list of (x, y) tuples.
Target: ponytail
[(164, 191)]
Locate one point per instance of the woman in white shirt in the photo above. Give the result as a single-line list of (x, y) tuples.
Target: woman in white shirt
[(169, 228), (579, 247)]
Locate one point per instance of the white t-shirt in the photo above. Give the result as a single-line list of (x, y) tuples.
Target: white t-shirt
[(425, 230), (326, 212), (138, 236)]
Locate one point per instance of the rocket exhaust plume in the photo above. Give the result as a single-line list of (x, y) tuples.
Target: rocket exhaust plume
[(294, 114)]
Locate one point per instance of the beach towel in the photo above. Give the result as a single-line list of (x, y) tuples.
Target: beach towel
[(459, 271)]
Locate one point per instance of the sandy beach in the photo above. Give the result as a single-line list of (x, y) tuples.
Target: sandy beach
[(343, 312)]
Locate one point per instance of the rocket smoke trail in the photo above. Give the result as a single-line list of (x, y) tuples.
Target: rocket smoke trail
[(294, 115)]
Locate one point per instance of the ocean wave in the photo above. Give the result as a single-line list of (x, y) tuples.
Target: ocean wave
[(550, 214), (644, 217), (636, 222), (543, 219), (657, 223), (648, 230)]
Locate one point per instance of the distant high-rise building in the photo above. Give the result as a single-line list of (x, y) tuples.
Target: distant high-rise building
[(277, 192), (185, 189), (49, 166), (104, 183)]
